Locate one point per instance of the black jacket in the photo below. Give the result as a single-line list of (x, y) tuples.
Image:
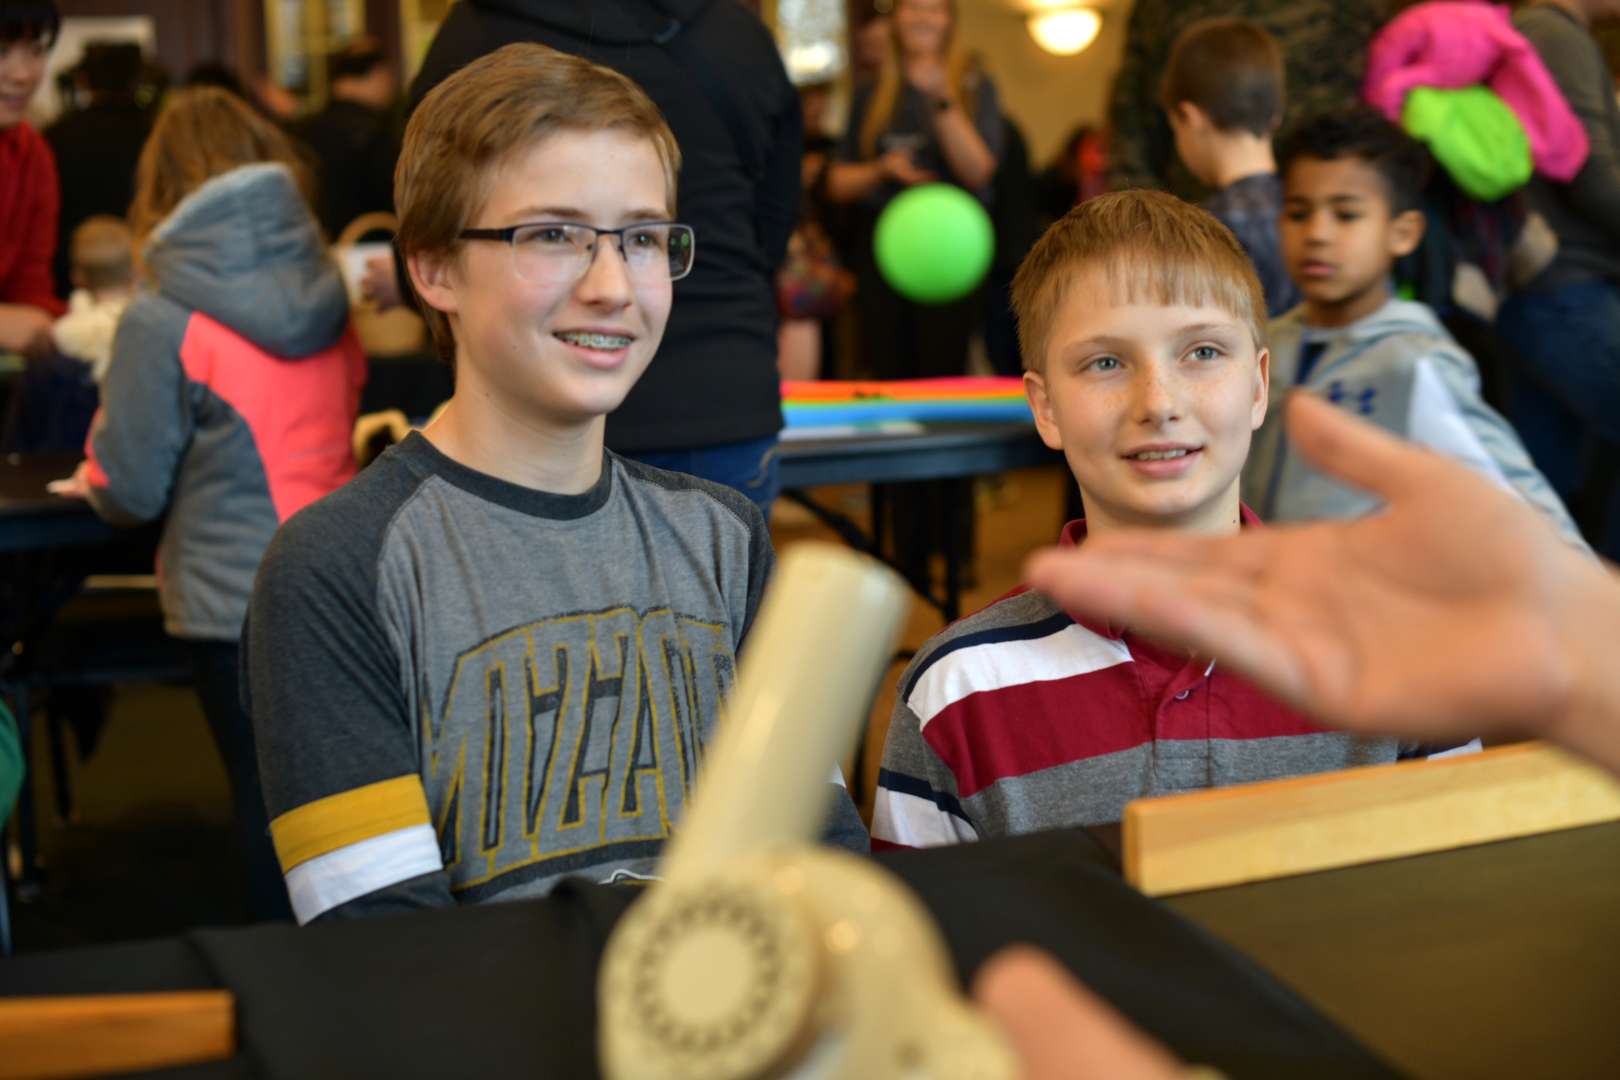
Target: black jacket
[(96, 153), (714, 379), (356, 151)]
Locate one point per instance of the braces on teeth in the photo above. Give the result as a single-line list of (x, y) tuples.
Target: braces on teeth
[(596, 341)]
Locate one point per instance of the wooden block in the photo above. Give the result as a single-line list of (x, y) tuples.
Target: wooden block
[(1227, 836), (51, 1038)]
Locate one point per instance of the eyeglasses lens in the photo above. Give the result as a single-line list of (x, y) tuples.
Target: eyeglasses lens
[(552, 254)]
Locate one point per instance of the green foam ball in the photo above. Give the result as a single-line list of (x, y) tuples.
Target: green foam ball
[(934, 243), (1474, 135)]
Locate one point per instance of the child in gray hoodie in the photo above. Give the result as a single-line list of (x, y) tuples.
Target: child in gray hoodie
[(1350, 187)]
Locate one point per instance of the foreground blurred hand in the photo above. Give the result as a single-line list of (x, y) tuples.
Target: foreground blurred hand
[(1059, 1029), (1456, 611)]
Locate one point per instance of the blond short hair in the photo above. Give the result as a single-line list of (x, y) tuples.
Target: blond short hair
[(103, 250), (1151, 246), (487, 113)]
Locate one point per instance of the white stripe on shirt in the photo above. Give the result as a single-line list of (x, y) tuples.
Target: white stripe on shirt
[(916, 822), (1072, 651), (363, 867)]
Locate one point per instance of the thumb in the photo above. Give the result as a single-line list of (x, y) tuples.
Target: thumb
[(1348, 448)]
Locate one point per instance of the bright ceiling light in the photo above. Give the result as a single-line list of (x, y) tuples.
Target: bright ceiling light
[(1065, 32)]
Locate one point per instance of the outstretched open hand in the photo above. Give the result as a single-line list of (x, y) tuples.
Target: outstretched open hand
[(1456, 610)]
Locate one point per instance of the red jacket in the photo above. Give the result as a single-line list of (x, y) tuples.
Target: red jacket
[(30, 197)]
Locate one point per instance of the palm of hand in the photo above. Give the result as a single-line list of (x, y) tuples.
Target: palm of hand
[(1449, 613), (1416, 617)]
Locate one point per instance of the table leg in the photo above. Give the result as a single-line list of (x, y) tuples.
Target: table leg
[(951, 497), (27, 825), (878, 500)]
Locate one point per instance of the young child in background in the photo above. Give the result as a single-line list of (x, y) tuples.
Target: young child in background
[(1144, 331), (229, 400), (1224, 90), (1351, 182), (103, 257), (493, 659)]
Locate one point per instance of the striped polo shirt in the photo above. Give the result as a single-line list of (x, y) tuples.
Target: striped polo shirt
[(1025, 717)]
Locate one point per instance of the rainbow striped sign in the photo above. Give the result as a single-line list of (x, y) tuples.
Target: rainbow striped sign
[(965, 398)]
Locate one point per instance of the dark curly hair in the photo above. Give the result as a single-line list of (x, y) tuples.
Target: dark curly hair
[(1364, 133)]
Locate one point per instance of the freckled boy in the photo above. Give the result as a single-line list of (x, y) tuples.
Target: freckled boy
[(1144, 332)]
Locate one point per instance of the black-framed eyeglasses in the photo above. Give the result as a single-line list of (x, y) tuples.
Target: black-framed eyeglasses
[(560, 252)]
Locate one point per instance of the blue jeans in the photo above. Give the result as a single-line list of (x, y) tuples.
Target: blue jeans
[(1565, 388), (750, 466)]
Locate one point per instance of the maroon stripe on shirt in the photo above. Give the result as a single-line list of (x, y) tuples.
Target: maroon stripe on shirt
[(1018, 729)]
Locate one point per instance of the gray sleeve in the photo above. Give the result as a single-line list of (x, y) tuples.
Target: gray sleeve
[(1577, 66), (146, 422), (761, 564), (1448, 415), (336, 745), (844, 827)]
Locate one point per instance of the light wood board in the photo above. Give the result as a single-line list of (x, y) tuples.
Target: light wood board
[(1253, 832), (53, 1038)]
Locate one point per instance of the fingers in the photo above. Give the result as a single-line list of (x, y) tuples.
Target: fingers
[(1211, 607), (1058, 1028), (1348, 448)]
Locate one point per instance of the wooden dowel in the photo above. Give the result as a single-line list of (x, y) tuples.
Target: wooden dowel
[(1252, 832), (54, 1038)]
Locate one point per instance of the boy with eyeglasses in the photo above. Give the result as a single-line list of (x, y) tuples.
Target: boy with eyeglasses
[(494, 658)]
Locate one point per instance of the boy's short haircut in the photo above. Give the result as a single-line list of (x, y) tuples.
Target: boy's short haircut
[(103, 250), (487, 113), (29, 20), (1151, 246), (1364, 133), (1230, 68)]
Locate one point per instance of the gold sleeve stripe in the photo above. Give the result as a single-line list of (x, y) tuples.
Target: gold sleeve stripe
[(323, 826)]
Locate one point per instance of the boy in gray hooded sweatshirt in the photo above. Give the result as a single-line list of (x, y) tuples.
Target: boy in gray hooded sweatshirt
[(1350, 188)]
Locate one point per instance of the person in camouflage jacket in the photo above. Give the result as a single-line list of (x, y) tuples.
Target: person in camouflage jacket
[(1323, 42)]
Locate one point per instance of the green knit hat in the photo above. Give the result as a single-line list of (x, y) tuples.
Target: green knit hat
[(1473, 135)]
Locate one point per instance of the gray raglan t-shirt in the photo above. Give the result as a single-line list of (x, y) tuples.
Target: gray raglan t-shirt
[(465, 689)]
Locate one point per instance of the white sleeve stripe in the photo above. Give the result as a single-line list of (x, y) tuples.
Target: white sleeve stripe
[(1436, 421), (1074, 650), (1473, 746), (916, 822), (337, 877)]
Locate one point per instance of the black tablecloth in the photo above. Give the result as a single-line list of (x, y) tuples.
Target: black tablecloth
[(509, 989)]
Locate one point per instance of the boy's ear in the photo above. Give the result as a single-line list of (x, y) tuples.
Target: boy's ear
[(430, 276), (1188, 115), (1406, 232), (1262, 391), (1040, 403)]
